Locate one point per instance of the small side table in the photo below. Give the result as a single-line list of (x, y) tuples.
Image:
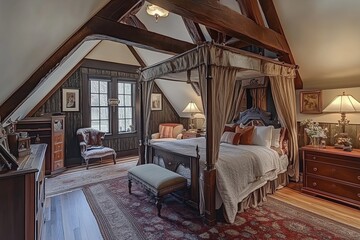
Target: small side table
[(191, 134)]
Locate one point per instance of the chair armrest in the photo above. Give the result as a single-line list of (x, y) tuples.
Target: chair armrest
[(155, 136), (179, 136), (83, 147)]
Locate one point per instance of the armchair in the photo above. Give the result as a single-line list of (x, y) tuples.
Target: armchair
[(91, 147), (168, 131)]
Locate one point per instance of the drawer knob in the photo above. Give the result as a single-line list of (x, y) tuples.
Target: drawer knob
[(358, 195), (314, 184), (358, 177), (170, 163), (314, 157), (315, 169)]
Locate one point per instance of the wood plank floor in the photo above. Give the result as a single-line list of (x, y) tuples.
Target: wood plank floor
[(69, 217)]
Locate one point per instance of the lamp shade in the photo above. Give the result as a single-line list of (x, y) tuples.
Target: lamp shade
[(344, 103), (191, 108)]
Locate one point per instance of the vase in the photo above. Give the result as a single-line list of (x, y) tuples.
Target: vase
[(315, 141)]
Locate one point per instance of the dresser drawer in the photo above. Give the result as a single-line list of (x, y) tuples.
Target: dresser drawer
[(333, 171), (58, 164), (58, 156), (58, 138), (58, 147), (337, 189)]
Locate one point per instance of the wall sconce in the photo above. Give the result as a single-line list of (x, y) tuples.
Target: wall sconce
[(113, 102), (156, 11)]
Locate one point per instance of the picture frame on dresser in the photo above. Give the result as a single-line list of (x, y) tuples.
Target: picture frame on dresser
[(6, 156)]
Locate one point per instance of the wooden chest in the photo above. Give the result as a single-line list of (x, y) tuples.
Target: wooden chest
[(332, 173)]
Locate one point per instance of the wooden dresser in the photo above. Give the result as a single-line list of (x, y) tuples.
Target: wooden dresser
[(22, 196), (332, 173), (49, 130)]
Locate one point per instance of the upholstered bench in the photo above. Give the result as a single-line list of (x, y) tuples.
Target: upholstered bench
[(158, 180)]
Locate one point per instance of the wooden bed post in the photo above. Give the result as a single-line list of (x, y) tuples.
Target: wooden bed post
[(210, 171), (141, 125)]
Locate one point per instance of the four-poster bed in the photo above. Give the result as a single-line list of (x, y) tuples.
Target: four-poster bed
[(216, 69)]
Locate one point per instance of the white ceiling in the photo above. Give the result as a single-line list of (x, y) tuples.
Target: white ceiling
[(324, 36)]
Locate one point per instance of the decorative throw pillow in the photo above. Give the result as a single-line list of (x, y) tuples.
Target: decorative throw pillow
[(263, 135), (231, 138), (166, 132), (246, 133), (230, 127), (275, 140)]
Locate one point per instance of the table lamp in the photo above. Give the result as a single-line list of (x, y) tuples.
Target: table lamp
[(343, 104), (192, 109)]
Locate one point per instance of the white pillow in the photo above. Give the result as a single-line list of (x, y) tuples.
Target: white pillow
[(262, 135), (275, 141)]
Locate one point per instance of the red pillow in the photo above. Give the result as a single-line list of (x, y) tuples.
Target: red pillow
[(246, 134), (231, 138), (228, 128)]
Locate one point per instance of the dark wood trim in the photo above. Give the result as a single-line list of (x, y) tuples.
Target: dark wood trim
[(274, 23), (227, 21), (137, 56), (194, 30), (134, 21), (251, 9), (104, 65), (132, 152), (29, 189), (130, 35), (209, 194), (117, 9)]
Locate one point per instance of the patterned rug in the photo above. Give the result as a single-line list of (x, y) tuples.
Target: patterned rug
[(78, 177), (124, 216)]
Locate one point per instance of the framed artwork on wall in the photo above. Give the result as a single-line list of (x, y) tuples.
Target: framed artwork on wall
[(70, 100), (156, 101), (310, 101)]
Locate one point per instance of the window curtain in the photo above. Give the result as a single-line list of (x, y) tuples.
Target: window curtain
[(283, 92), (147, 88)]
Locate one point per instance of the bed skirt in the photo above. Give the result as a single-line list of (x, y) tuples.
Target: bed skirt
[(257, 197)]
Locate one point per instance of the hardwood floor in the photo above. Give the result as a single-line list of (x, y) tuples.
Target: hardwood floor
[(68, 215)]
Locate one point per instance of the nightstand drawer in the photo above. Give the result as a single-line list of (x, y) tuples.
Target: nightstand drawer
[(331, 187), (333, 171), (58, 147), (187, 135)]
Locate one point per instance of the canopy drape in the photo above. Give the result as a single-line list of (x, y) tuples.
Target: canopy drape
[(223, 67)]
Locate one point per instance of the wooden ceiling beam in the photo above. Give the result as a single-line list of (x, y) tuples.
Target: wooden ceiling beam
[(251, 9), (94, 26), (130, 35), (274, 23), (194, 30), (117, 9), (217, 16)]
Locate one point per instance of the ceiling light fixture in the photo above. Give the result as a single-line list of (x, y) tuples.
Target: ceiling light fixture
[(156, 11)]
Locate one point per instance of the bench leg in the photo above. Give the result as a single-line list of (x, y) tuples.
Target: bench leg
[(129, 185), (114, 158), (158, 205), (87, 163)]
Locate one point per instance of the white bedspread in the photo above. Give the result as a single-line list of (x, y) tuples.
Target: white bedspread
[(240, 169)]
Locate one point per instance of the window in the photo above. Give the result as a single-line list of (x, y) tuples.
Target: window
[(120, 119), (126, 107), (100, 118)]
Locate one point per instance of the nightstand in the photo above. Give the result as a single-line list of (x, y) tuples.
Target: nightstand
[(332, 173), (191, 134)]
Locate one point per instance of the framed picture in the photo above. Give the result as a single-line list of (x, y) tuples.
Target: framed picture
[(156, 101), (310, 101), (8, 159), (70, 100)]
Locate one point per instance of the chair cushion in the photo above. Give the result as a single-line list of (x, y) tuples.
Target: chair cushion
[(98, 152), (156, 176), (166, 132)]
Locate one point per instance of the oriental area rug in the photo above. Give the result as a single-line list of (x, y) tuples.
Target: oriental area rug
[(124, 216)]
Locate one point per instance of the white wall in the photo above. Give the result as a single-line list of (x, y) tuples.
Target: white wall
[(327, 96)]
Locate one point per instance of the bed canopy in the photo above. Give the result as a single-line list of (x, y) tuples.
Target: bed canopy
[(217, 69)]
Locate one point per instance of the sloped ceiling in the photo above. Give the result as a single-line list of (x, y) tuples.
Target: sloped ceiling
[(324, 37)]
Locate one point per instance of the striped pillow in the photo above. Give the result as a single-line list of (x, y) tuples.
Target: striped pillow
[(166, 131), (231, 138)]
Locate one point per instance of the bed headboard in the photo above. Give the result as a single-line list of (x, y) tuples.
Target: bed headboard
[(256, 116)]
